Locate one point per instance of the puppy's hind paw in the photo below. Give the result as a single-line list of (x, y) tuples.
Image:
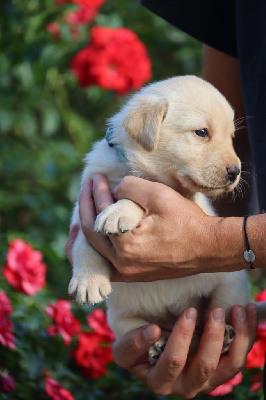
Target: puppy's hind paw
[(229, 335), (156, 350)]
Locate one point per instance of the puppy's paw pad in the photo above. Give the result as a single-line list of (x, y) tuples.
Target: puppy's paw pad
[(229, 335), (156, 350)]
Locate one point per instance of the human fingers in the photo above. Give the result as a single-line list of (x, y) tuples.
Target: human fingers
[(164, 378), (73, 233), (140, 191), (130, 350), (207, 358), (87, 214), (101, 193), (244, 322)]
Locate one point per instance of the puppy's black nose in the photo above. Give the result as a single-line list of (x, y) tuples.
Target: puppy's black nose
[(232, 172)]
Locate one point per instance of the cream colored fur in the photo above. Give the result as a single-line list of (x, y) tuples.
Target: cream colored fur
[(156, 130)]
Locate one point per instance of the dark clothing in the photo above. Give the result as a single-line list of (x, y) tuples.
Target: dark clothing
[(237, 28)]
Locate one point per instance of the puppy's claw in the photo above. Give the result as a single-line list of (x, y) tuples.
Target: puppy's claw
[(229, 335), (156, 350)]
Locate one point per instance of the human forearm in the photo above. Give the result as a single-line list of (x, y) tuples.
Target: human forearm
[(228, 253)]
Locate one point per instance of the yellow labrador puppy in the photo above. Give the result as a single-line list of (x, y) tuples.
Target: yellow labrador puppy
[(178, 132)]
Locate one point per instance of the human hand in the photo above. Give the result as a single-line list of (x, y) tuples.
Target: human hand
[(206, 370), (163, 239)]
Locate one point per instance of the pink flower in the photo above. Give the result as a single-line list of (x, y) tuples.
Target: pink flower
[(54, 29), (55, 391), (227, 387), (24, 269), (6, 326), (115, 59), (98, 321), (91, 355), (65, 323), (82, 16), (7, 383)]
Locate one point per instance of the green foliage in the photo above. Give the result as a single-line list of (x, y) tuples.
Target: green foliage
[(47, 124)]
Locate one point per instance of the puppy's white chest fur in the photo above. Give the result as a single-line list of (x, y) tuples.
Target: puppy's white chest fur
[(162, 133)]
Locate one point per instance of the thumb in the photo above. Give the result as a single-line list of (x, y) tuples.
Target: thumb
[(128, 350)]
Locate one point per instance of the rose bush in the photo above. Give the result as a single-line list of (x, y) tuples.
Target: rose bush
[(49, 346)]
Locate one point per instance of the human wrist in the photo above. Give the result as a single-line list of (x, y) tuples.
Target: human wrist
[(224, 244)]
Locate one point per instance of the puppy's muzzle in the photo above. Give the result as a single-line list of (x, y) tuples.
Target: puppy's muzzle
[(232, 173)]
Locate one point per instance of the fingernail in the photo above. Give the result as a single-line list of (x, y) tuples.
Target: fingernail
[(149, 334), (218, 315), (241, 314), (191, 314)]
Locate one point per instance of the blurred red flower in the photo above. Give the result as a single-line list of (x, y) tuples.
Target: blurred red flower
[(98, 321), (91, 355), (115, 60), (256, 357), (55, 391), (261, 296), (24, 269), (83, 3), (7, 383), (227, 387), (256, 382), (6, 326), (81, 16), (89, 3), (65, 323), (54, 29)]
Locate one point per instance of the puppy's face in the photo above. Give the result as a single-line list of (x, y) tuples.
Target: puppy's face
[(182, 130)]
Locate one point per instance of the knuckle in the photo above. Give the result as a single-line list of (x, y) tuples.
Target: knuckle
[(175, 363), (207, 368)]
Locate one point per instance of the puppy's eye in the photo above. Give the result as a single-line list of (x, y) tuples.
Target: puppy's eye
[(202, 132)]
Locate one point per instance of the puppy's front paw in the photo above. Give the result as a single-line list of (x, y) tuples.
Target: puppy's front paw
[(119, 220), (156, 350), (229, 335), (89, 289)]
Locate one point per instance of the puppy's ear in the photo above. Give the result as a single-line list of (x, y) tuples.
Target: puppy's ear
[(143, 122)]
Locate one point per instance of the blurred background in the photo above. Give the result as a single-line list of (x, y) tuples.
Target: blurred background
[(55, 98), (48, 121)]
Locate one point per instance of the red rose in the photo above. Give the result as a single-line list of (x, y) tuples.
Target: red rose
[(261, 296), (65, 323), (91, 355), (81, 16), (55, 391), (115, 59), (98, 321), (83, 3), (89, 3), (6, 326), (227, 387), (24, 269), (256, 357)]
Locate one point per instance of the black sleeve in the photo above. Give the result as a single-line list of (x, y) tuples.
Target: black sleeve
[(211, 21)]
